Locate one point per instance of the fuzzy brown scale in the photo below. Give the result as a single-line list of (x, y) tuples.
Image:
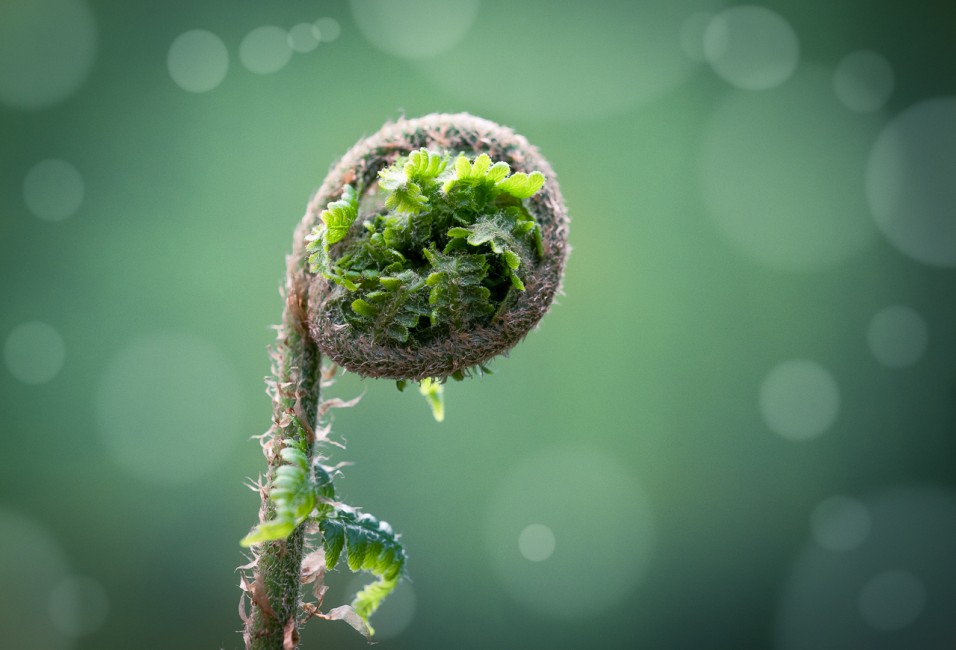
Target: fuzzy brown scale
[(440, 356)]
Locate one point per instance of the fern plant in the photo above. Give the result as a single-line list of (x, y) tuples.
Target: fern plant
[(422, 256)]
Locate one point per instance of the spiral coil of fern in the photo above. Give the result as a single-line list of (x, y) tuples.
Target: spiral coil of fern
[(313, 325), (457, 350)]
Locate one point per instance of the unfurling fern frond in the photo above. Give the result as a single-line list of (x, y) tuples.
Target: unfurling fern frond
[(339, 215), (294, 493), (337, 218), (424, 167), (409, 181), (370, 545)]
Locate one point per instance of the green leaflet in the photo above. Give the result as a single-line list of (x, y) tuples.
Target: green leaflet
[(337, 219), (295, 492), (480, 173), (409, 181), (434, 394), (424, 167), (394, 309), (406, 198), (369, 545), (521, 185), (268, 531), (506, 234), (457, 294)]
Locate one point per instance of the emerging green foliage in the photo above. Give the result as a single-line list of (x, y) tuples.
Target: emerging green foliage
[(294, 492), (370, 545), (396, 308), (434, 394), (457, 294), (450, 242), (337, 218), (409, 184), (482, 176), (478, 174), (521, 185), (503, 236)]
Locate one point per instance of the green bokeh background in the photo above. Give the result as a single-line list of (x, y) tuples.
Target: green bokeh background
[(652, 362)]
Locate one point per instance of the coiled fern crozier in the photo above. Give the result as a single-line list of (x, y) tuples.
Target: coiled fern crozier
[(431, 247)]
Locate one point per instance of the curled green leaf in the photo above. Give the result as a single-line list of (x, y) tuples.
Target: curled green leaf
[(339, 215), (369, 545)]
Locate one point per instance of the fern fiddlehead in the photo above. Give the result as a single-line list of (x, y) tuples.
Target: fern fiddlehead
[(431, 247)]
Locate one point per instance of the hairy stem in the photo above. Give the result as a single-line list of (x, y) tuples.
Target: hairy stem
[(274, 586)]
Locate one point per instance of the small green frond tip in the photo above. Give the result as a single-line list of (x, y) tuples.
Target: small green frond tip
[(339, 216), (424, 165), (434, 394)]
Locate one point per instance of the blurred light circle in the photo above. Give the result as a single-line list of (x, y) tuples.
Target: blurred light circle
[(302, 38), (536, 542), (584, 62), (897, 336), (895, 590), (265, 50), (326, 29), (840, 523), (396, 612), (692, 35), (591, 569), (863, 81), (892, 600), (751, 47), (799, 399), (78, 606), (53, 189), (197, 61), (416, 30), (34, 352), (909, 182), (169, 407), (775, 184), (47, 49), (31, 565)]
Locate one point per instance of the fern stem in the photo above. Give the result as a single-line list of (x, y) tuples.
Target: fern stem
[(274, 586)]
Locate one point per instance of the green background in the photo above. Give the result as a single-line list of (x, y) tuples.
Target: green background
[(727, 269)]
